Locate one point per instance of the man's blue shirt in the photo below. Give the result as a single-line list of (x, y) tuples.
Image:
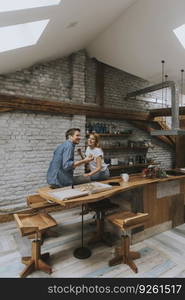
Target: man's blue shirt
[(60, 172)]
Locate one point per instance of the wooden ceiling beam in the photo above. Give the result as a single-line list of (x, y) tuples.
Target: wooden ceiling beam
[(55, 107), (4, 109)]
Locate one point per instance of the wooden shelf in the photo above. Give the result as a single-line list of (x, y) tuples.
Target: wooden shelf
[(112, 134), (124, 148), (127, 167)]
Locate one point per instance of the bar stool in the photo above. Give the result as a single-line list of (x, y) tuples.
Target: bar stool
[(125, 221), (34, 224), (101, 208)]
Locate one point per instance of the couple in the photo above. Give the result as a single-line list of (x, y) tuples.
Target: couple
[(60, 172)]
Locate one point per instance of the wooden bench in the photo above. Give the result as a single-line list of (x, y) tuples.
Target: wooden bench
[(38, 203), (34, 224)]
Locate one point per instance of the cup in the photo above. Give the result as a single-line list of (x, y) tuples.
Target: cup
[(125, 177)]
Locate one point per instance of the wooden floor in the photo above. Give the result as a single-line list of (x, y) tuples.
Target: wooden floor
[(163, 255)]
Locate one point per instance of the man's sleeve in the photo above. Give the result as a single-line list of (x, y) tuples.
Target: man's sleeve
[(68, 158)]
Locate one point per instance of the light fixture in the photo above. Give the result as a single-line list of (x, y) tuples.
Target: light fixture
[(72, 24), (182, 81), (175, 130), (166, 91)]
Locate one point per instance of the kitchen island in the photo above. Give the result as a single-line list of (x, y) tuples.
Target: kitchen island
[(162, 198)]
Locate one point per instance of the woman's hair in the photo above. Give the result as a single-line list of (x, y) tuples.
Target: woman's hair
[(97, 139)]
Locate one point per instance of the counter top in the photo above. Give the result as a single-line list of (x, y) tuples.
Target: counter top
[(134, 182)]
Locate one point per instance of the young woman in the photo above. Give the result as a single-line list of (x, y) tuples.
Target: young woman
[(98, 169)]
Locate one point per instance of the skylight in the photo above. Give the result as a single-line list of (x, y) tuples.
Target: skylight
[(21, 35), (12, 5), (180, 34)]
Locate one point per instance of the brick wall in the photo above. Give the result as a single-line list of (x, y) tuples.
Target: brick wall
[(161, 153), (117, 84), (27, 140), (27, 144)]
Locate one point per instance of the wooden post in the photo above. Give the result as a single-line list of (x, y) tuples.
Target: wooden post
[(99, 83)]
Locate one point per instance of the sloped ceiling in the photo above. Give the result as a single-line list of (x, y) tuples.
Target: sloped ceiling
[(73, 25), (131, 35), (142, 37)]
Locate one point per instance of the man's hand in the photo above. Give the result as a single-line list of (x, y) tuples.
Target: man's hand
[(87, 175), (79, 151)]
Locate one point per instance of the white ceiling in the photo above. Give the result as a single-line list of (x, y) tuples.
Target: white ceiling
[(59, 38), (142, 37), (132, 35)]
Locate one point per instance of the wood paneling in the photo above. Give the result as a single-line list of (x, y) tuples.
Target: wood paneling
[(163, 209), (150, 204), (177, 210)]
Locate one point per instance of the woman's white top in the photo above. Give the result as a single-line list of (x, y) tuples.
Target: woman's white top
[(96, 152)]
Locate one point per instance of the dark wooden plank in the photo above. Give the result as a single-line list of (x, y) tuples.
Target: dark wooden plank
[(159, 112), (69, 108), (180, 153), (149, 204), (177, 210), (99, 83), (4, 109), (180, 146)]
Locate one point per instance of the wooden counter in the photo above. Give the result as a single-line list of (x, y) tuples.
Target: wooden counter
[(163, 198)]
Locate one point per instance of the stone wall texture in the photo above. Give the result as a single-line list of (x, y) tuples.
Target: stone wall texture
[(27, 139)]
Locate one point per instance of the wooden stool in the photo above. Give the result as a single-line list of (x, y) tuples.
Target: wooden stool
[(38, 203), (125, 221), (34, 224), (101, 207)]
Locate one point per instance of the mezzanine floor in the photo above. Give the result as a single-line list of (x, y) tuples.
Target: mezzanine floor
[(162, 255)]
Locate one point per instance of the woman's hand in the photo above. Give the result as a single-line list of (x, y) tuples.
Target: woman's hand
[(88, 159)]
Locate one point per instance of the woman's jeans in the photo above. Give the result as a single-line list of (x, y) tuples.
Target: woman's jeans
[(102, 175)]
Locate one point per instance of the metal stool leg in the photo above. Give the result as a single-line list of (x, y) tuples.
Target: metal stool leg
[(82, 252)]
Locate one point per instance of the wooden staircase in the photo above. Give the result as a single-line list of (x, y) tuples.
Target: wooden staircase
[(162, 123)]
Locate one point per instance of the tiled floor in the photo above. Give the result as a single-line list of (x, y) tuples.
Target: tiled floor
[(162, 255)]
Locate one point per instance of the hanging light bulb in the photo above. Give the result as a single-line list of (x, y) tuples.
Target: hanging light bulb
[(182, 72), (162, 75), (166, 91), (166, 97)]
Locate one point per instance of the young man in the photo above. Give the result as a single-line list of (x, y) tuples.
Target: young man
[(60, 172)]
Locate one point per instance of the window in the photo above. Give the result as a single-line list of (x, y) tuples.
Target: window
[(180, 34), (21, 35), (12, 5)]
